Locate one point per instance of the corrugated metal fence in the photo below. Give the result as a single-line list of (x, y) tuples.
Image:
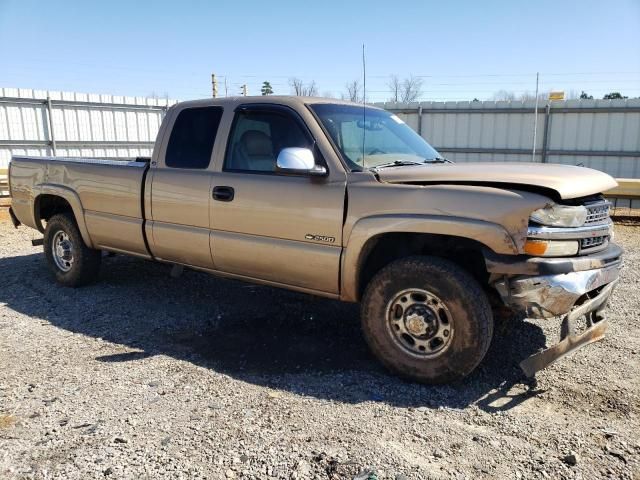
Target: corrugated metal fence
[(36, 122), (600, 134)]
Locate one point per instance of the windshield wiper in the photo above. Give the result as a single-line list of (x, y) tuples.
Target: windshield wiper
[(397, 163), (437, 160), (402, 163)]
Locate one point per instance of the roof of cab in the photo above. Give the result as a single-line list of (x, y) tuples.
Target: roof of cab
[(288, 100)]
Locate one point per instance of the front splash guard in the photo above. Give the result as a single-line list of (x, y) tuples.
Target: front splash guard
[(569, 341), (14, 219)]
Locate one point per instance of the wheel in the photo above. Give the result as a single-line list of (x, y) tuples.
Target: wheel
[(72, 262), (427, 319)]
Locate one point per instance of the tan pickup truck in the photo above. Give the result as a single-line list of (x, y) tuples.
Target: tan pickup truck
[(348, 202)]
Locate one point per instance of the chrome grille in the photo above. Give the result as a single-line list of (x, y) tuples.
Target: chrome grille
[(592, 242), (597, 213)]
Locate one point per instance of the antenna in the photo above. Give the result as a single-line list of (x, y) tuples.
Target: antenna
[(364, 76), (364, 108)]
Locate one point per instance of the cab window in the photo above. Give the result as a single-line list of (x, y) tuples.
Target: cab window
[(192, 138), (257, 138)]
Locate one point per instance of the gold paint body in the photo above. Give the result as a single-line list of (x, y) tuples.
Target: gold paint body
[(275, 230)]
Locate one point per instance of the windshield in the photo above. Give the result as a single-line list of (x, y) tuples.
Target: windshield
[(368, 137)]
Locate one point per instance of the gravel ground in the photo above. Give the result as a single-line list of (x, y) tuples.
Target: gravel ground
[(146, 376)]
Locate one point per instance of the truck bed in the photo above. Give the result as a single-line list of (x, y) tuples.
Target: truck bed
[(108, 193)]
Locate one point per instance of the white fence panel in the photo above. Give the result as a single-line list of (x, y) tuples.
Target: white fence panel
[(79, 124), (600, 134)]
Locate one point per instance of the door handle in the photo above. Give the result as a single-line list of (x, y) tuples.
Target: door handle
[(223, 194)]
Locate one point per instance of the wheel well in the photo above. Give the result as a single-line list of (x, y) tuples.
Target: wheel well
[(381, 250), (49, 205)]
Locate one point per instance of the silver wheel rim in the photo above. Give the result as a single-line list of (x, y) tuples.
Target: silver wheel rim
[(420, 323), (62, 250)]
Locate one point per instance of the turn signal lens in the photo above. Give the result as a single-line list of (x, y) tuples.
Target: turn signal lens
[(535, 248), (551, 248)]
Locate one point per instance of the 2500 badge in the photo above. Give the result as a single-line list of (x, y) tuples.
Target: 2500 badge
[(320, 238)]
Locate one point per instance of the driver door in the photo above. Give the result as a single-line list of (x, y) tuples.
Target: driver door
[(270, 226)]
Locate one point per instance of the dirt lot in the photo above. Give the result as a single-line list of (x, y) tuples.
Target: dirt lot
[(146, 376)]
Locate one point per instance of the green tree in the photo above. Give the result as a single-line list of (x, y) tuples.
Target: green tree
[(266, 88), (613, 96), (585, 96)]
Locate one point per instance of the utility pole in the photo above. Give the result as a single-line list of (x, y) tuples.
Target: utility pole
[(244, 90), (214, 85)]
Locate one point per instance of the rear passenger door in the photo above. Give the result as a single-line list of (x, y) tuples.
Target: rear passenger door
[(178, 229), (271, 226)]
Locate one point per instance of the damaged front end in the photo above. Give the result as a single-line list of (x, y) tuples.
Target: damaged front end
[(572, 295), (548, 296), (592, 310), (570, 287)]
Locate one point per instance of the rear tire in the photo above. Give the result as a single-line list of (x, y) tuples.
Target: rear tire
[(71, 261), (427, 319)]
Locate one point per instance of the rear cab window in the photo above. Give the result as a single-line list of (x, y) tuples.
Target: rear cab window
[(192, 138)]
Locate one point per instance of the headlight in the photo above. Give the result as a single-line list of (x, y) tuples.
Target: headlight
[(551, 248), (560, 216)]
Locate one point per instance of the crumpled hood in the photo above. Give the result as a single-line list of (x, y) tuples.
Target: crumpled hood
[(567, 180)]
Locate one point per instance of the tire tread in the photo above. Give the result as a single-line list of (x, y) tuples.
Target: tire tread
[(437, 267), (86, 262)]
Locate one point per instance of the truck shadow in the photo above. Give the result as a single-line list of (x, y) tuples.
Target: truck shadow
[(266, 336)]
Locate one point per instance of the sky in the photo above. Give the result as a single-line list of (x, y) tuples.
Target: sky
[(459, 49)]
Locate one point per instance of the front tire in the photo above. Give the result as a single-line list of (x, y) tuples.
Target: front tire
[(427, 319), (71, 261)]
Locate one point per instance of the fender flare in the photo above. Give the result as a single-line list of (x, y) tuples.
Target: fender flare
[(71, 197), (492, 235)]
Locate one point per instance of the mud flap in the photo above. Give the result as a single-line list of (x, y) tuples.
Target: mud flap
[(569, 341), (14, 219)]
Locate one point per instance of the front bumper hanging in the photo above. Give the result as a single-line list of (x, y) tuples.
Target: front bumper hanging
[(570, 288), (570, 341), (548, 296)]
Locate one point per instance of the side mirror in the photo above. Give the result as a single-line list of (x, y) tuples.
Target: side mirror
[(299, 161)]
